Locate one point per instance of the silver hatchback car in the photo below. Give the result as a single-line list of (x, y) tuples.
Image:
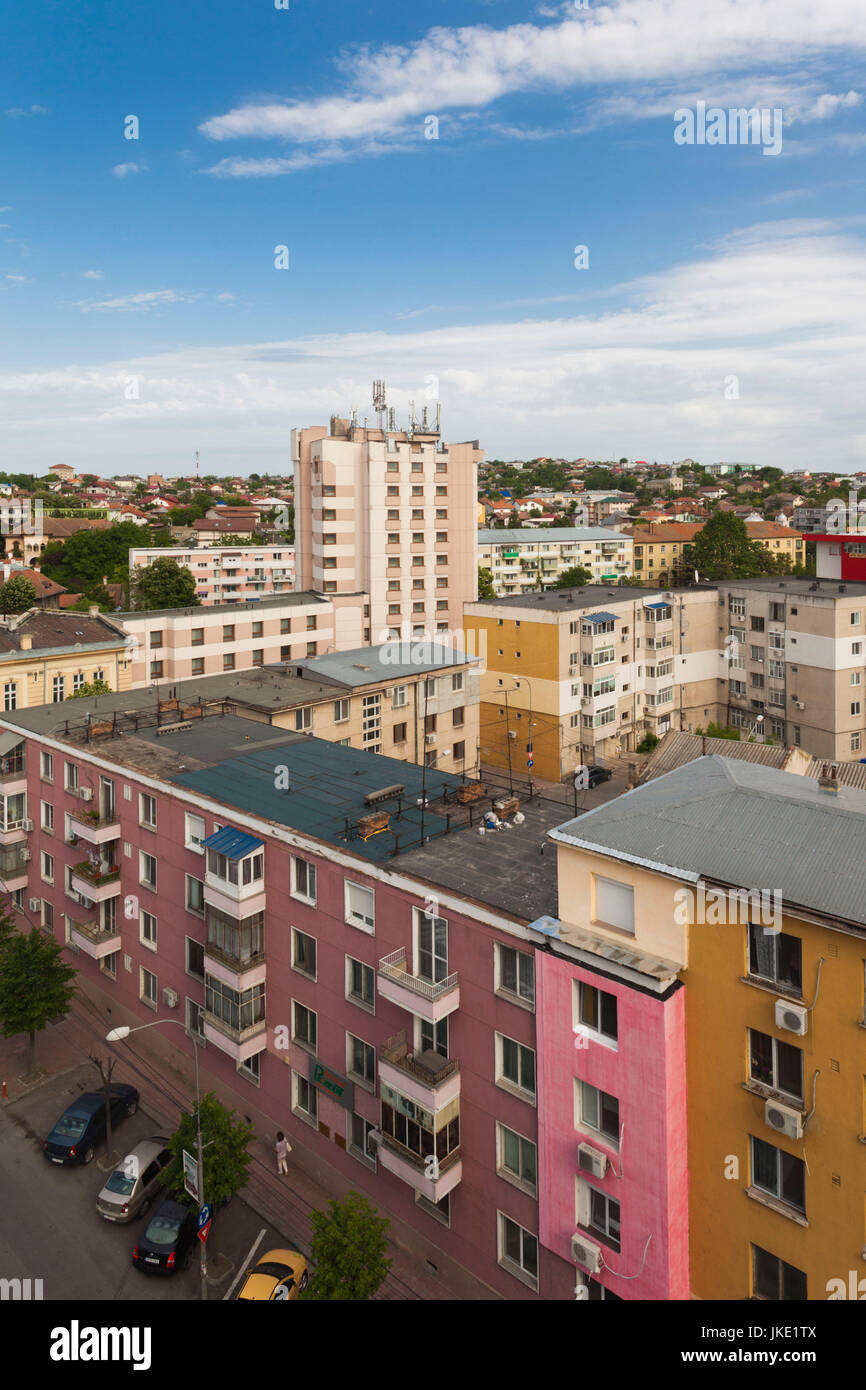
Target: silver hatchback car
[(134, 1184)]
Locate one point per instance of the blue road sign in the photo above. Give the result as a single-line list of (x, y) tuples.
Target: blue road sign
[(204, 1216), (529, 762)]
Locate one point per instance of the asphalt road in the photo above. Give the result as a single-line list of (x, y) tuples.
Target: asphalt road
[(50, 1229)]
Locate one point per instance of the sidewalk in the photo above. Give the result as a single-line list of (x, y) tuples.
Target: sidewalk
[(418, 1271)]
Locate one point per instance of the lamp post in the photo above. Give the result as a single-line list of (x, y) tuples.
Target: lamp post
[(529, 748), (116, 1035)]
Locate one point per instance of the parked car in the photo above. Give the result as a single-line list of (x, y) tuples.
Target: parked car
[(133, 1185), (82, 1125), (167, 1243), (280, 1274), (597, 775)]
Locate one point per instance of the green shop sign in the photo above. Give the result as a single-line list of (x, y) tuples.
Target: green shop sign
[(332, 1082)]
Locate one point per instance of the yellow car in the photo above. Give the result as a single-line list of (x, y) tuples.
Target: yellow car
[(280, 1274)]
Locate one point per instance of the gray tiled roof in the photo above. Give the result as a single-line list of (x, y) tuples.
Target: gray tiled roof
[(739, 823)]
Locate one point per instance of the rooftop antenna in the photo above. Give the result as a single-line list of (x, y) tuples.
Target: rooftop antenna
[(411, 417), (379, 403), (438, 416), (196, 463), (424, 419), (391, 422)]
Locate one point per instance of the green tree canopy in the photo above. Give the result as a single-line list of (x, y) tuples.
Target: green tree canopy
[(485, 583), (17, 594), (97, 687), (226, 1160), (163, 584), (88, 556), (722, 550), (349, 1245), (573, 578), (35, 986)]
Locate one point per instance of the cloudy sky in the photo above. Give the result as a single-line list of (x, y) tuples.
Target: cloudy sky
[(431, 172)]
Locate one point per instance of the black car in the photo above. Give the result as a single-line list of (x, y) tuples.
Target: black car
[(597, 775), (82, 1125), (168, 1239)]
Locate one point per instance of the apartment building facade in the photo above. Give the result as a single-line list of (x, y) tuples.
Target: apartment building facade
[(228, 573), (46, 656), (796, 662), (661, 551), (770, 946), (525, 559), (390, 514), (574, 677)]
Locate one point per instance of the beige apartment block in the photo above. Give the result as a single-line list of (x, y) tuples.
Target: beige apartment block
[(226, 574), (524, 559), (797, 658), (574, 677), (390, 514), (171, 644), (45, 657)]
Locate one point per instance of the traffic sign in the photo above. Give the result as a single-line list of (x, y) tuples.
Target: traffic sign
[(529, 762), (203, 1232), (204, 1216)]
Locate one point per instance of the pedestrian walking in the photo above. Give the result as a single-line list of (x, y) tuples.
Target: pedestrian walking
[(283, 1149)]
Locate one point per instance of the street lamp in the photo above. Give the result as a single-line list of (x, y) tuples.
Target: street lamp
[(117, 1035), (529, 749)]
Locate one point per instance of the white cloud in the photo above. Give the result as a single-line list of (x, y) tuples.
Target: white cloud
[(388, 91), (19, 279), (92, 274), (123, 171), (18, 111), (781, 306), (150, 299)]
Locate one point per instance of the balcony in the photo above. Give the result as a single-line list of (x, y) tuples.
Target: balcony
[(95, 828), (14, 862), (411, 1168), (95, 940), (238, 1043), (418, 996), (13, 774), (96, 883), (426, 1078), (239, 973)]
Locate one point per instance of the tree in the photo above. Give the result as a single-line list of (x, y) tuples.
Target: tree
[(349, 1247), (226, 1160), (164, 584), (35, 986), (573, 578), (97, 687), (88, 557), (485, 583), (17, 595), (722, 550)]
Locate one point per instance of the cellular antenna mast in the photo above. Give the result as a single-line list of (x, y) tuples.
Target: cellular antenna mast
[(196, 463), (379, 403)]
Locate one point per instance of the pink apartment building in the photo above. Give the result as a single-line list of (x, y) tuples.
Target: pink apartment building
[(229, 573), (391, 997), (392, 514)]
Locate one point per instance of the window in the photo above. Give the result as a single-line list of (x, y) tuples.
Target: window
[(515, 1065), (855, 742), (773, 1279), (855, 706), (457, 680), (47, 867), (147, 870), (341, 711), (228, 632), (305, 1098), (596, 1011), (598, 1213), (197, 637), (459, 752), (194, 832), (304, 718), (155, 670), (515, 973), (756, 624), (258, 629), (595, 1109), (360, 906), (194, 958), (360, 1061), (228, 661), (147, 929), (156, 639), (305, 1026), (780, 1174), (304, 953), (10, 695), (147, 987), (360, 1143), (614, 903), (197, 664), (518, 1250), (47, 817), (58, 689), (46, 767), (147, 811), (400, 733), (776, 956), (855, 619), (194, 895), (516, 1158), (285, 625), (303, 880), (458, 716), (431, 946), (360, 983), (776, 1064)]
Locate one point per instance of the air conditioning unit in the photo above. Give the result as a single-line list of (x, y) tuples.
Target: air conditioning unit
[(794, 1018), (591, 1160), (85, 793), (586, 1252), (27, 825), (586, 702), (170, 998), (25, 855), (801, 704), (35, 904), (783, 1119), (429, 738), (512, 733)]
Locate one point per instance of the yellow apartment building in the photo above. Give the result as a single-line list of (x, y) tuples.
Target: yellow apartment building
[(663, 547), (45, 656)]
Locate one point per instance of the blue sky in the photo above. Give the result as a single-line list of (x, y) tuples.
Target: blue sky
[(721, 313)]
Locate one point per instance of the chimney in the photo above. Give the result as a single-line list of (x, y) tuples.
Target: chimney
[(26, 642), (93, 610), (829, 780)]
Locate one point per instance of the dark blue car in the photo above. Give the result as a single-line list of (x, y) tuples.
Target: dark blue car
[(82, 1125), (168, 1242)]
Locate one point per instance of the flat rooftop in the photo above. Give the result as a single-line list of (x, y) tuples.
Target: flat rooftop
[(386, 661), (590, 596), (293, 599), (819, 588), (532, 535)]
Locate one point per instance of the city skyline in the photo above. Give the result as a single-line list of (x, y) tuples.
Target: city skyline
[(434, 181)]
